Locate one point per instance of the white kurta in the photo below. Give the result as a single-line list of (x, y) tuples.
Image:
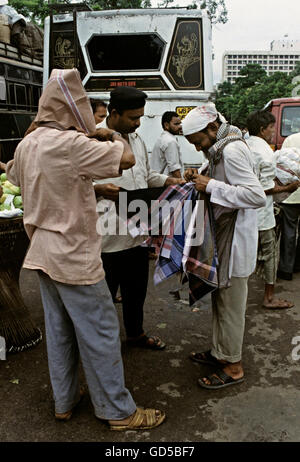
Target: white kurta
[(245, 193), (265, 165), (292, 141)]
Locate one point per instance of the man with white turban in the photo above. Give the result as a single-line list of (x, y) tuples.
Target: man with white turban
[(235, 193)]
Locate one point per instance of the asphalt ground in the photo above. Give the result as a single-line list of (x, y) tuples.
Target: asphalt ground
[(264, 408)]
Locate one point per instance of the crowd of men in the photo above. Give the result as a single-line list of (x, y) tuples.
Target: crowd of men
[(65, 154)]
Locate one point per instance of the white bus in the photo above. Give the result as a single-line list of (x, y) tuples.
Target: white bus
[(165, 52)]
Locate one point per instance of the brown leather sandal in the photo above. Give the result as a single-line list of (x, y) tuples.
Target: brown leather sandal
[(143, 419)]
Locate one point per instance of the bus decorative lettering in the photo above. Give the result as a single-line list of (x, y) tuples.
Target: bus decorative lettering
[(123, 84)]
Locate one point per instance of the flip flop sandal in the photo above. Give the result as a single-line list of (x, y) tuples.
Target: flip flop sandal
[(143, 342), (204, 357), (219, 380), (143, 419)]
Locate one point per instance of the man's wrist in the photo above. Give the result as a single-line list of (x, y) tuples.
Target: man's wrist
[(114, 134)]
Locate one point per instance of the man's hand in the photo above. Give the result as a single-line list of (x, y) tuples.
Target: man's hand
[(190, 174), (292, 186), (103, 134), (108, 191), (201, 182), (2, 167), (170, 180)]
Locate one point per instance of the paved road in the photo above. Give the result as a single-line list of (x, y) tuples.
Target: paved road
[(266, 407)]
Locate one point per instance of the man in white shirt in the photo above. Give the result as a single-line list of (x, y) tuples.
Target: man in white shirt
[(234, 191), (261, 126), (125, 261), (289, 262), (166, 156)]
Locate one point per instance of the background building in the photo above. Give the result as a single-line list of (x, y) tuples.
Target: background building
[(282, 57)]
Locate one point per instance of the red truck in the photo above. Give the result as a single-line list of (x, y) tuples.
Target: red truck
[(287, 114)]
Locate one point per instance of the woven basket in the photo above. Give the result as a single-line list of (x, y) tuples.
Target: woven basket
[(16, 325)]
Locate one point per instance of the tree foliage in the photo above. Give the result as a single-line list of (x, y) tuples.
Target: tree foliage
[(38, 10), (216, 10), (35, 10), (252, 91), (118, 4)]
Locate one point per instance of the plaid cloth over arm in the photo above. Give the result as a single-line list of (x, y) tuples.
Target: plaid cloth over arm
[(173, 221)]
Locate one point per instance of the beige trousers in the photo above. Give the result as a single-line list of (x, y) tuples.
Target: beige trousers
[(229, 312)]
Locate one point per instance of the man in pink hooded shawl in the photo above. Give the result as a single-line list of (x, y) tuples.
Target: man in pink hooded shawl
[(54, 166)]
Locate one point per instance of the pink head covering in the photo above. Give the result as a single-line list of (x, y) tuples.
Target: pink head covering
[(199, 117), (65, 102)]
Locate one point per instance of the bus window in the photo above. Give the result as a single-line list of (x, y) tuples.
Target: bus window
[(21, 95), (36, 93), (8, 127), (12, 96), (2, 69), (37, 77), (23, 122), (18, 73), (125, 52), (290, 120)]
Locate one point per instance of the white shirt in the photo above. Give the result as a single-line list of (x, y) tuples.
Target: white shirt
[(166, 156), (245, 193), (138, 177), (292, 141), (265, 165)]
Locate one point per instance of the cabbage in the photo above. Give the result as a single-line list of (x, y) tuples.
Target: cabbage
[(18, 203), (5, 207), (3, 177)]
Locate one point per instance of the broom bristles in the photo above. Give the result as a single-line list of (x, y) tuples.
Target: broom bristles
[(16, 325), (18, 329)]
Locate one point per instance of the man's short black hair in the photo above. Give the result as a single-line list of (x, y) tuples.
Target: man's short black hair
[(126, 98), (167, 117), (97, 102), (259, 119)]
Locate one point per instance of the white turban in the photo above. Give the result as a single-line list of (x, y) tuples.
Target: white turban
[(199, 117)]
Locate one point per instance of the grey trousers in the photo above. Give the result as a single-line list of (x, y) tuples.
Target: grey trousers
[(82, 320), (229, 312)]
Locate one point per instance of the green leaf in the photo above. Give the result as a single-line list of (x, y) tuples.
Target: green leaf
[(16, 381)]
